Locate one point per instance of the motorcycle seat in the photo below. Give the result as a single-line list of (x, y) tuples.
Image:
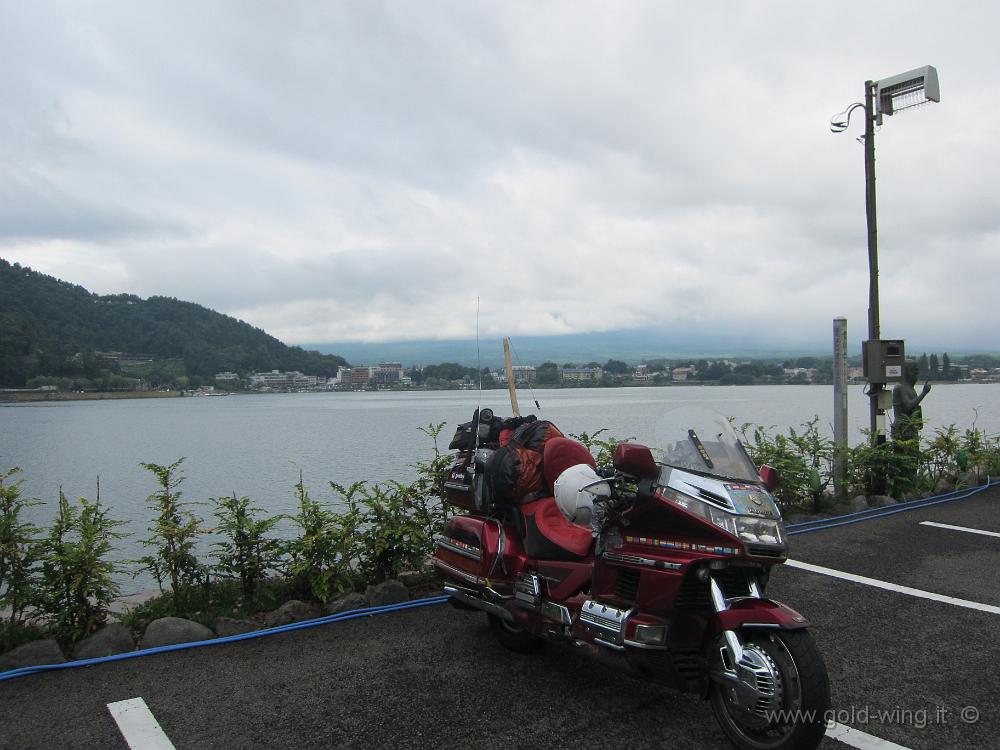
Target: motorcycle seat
[(561, 453), (549, 535)]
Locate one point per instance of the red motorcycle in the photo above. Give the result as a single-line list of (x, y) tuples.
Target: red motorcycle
[(660, 565)]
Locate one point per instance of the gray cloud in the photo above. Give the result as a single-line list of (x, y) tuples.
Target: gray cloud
[(363, 171)]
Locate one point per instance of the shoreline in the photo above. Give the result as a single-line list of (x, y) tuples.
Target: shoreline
[(15, 397)]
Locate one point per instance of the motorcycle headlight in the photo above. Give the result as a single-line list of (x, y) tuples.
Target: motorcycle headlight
[(759, 530), (748, 529)]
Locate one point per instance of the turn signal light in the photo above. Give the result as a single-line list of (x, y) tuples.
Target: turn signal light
[(769, 476), (652, 635)]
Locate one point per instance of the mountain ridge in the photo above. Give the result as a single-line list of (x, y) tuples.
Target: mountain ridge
[(50, 327)]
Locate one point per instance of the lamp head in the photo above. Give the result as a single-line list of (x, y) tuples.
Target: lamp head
[(906, 90)]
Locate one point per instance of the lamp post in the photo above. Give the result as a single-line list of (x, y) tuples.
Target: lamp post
[(884, 97)]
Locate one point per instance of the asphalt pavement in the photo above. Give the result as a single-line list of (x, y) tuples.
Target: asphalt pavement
[(902, 668)]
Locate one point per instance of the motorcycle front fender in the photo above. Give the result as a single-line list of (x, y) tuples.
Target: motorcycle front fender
[(761, 613)]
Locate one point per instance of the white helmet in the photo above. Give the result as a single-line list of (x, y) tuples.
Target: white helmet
[(575, 502)]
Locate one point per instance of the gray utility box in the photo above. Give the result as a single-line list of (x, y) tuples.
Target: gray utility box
[(883, 360)]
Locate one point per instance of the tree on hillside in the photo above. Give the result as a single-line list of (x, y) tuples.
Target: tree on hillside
[(924, 365), (946, 373), (547, 373), (616, 367), (933, 372)]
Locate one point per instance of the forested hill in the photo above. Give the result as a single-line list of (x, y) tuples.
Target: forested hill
[(50, 327)]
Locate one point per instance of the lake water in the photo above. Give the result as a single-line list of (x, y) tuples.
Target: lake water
[(256, 445)]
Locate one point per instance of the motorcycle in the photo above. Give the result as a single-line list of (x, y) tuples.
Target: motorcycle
[(658, 564)]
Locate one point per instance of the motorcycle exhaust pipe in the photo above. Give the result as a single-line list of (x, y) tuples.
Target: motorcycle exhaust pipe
[(473, 600)]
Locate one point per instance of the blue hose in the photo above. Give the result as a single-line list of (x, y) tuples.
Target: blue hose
[(14, 673), (891, 510)]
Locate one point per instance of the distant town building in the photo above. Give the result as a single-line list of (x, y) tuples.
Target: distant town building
[(282, 381), (226, 376), (641, 373), (360, 376), (682, 373), (523, 373), (801, 373), (582, 374), (273, 380), (387, 373)]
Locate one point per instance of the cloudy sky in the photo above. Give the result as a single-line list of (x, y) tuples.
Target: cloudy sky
[(362, 171)]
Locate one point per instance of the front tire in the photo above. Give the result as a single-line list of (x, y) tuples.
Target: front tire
[(514, 637), (795, 714)]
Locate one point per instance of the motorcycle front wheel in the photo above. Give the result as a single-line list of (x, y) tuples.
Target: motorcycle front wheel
[(787, 704)]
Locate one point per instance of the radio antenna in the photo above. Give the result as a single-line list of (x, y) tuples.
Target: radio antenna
[(479, 403)]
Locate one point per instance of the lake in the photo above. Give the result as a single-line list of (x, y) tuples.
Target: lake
[(256, 445)]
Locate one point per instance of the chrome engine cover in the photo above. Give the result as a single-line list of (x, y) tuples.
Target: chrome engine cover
[(605, 621)]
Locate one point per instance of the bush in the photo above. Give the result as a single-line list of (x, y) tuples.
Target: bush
[(19, 557), (173, 536), (396, 531), (804, 460), (78, 578), (382, 529), (603, 449), (246, 553), (321, 557)]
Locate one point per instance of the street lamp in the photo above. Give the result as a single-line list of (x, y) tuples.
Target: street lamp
[(883, 359)]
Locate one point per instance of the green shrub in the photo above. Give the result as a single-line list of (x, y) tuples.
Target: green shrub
[(321, 558), (19, 557), (803, 458), (247, 552), (173, 537), (396, 530), (602, 448), (78, 576)]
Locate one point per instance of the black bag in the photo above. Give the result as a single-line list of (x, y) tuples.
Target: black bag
[(465, 434)]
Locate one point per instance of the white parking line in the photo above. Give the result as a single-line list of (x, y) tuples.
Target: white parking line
[(138, 725), (857, 738), (959, 528), (894, 587)]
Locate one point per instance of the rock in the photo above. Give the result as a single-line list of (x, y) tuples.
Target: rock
[(389, 592), (877, 501), (291, 611), (944, 485), (31, 654), (967, 479), (857, 503), (347, 603), (415, 579), (170, 630), (224, 626), (111, 639)]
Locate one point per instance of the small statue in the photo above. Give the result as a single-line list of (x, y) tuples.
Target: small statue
[(908, 419)]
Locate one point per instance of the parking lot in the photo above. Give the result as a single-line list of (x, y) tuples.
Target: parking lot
[(904, 608)]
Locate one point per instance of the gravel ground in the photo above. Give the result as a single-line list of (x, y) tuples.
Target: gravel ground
[(434, 676)]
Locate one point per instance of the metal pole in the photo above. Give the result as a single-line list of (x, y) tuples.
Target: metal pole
[(839, 406), (873, 318)]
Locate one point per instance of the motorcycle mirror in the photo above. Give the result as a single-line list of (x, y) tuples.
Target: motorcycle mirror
[(636, 460), (769, 476)]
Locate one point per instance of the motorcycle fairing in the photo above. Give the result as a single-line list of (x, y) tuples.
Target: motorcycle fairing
[(750, 612)]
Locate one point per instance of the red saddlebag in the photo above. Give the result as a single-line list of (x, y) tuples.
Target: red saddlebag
[(467, 550)]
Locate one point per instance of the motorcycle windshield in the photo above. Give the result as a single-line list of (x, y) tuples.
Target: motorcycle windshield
[(699, 440)]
